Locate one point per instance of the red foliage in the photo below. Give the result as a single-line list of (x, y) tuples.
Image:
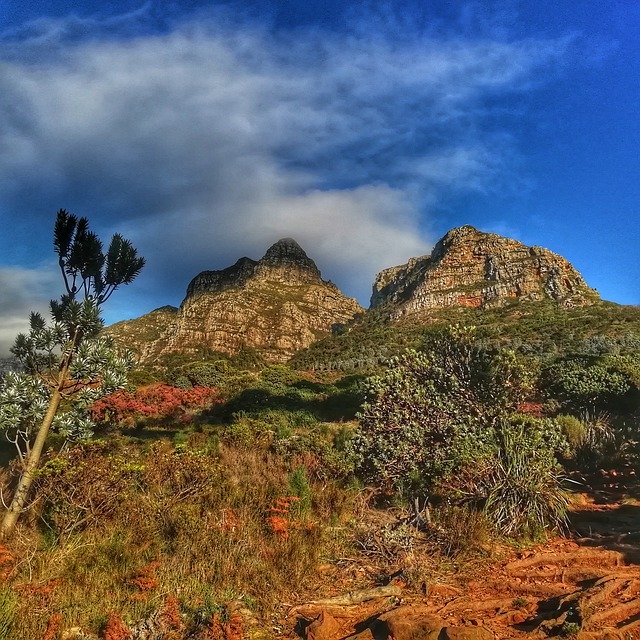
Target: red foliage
[(145, 578), (234, 629), (7, 561), (170, 614), (54, 626), (156, 401), (231, 630), (279, 521), (39, 594), (116, 629), (532, 408)]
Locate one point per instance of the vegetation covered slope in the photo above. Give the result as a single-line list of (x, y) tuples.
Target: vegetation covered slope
[(539, 328)]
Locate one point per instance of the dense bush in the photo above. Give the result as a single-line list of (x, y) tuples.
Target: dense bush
[(444, 420), (432, 403), (156, 401), (593, 383)]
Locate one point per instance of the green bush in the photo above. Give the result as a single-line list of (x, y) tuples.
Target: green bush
[(523, 491), (279, 375), (433, 410), (593, 383), (299, 486), (574, 430)]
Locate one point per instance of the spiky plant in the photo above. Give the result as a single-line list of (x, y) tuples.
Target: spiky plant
[(65, 361)]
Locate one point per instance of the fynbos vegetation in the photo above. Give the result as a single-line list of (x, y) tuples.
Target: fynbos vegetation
[(194, 497), (67, 361)]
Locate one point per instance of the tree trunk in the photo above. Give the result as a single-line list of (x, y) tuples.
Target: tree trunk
[(33, 460), (22, 491)]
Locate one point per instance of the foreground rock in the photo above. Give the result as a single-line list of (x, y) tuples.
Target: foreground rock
[(469, 268), (277, 306)]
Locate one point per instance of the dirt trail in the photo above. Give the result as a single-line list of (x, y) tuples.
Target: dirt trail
[(585, 585)]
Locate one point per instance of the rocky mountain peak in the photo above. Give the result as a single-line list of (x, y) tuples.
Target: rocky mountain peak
[(471, 268), (286, 250), (284, 261), (287, 259), (276, 305)]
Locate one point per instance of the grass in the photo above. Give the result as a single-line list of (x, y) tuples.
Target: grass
[(208, 528), (245, 502)]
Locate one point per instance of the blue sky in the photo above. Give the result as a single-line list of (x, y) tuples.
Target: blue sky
[(205, 131)]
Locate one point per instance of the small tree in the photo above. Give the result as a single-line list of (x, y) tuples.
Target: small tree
[(66, 362)]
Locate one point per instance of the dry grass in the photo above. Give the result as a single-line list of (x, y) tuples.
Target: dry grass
[(120, 528)]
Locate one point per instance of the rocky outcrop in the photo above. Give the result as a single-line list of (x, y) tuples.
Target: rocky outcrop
[(470, 268), (277, 305)]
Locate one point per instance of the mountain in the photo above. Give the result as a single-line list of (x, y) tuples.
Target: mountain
[(470, 268), (276, 305)]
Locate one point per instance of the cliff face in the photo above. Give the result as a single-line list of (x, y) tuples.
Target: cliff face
[(277, 305), (474, 269)]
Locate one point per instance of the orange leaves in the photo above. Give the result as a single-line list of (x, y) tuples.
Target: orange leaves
[(280, 520), (171, 620), (7, 561), (155, 401), (145, 578), (532, 408), (116, 629), (232, 629), (54, 626)]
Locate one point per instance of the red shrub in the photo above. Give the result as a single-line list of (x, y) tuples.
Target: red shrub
[(54, 626), (280, 519), (155, 401), (116, 629), (532, 408)]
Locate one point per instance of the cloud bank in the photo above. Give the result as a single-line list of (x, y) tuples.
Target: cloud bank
[(21, 292), (214, 138)]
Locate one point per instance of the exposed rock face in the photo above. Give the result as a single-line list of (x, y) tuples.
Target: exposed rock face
[(471, 268), (277, 305)]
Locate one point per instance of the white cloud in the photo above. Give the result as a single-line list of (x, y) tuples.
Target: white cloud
[(213, 140), (21, 292)]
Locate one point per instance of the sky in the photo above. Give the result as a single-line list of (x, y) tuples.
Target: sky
[(206, 131)]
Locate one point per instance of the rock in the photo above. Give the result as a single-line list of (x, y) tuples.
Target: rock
[(470, 268), (367, 634), (409, 623), (324, 627), (466, 633), (277, 306)]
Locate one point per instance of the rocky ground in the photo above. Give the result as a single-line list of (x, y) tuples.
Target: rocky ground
[(583, 585)]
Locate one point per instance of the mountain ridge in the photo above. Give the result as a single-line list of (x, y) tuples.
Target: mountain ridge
[(280, 305), (276, 305), (471, 268)]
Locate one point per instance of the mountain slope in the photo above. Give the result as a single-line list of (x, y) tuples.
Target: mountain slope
[(470, 268), (277, 305)]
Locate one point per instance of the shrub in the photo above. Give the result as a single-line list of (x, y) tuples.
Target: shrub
[(156, 401), (459, 529), (574, 430), (301, 489), (523, 491), (433, 410), (593, 383), (205, 374), (598, 443)]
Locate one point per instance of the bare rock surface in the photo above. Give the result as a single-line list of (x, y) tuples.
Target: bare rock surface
[(470, 268), (277, 305)]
